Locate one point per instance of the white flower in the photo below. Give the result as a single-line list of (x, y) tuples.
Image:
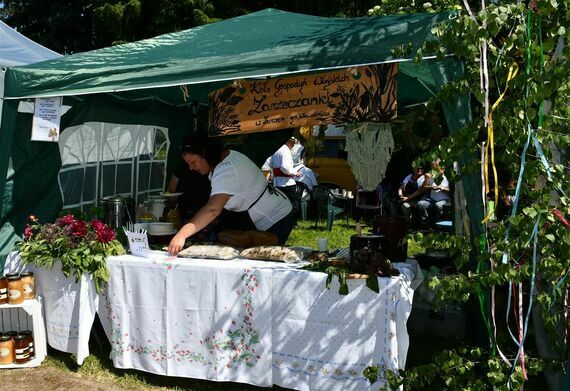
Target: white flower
[(376, 8), (427, 5), (370, 11)]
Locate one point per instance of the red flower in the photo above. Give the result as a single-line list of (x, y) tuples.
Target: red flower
[(66, 220), (78, 228), (97, 224), (27, 231), (105, 234)]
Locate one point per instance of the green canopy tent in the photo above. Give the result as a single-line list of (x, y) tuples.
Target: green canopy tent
[(159, 81)]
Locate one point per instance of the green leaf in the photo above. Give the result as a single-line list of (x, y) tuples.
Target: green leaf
[(372, 283)]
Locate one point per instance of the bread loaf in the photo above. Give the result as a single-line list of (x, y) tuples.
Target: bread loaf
[(235, 238), (262, 238), (209, 252), (273, 253)]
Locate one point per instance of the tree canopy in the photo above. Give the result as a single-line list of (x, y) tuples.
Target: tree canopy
[(81, 25)]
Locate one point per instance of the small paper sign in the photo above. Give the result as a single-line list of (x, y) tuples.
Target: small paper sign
[(47, 116), (138, 243)]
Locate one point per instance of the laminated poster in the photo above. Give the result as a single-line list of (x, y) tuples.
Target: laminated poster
[(47, 115)]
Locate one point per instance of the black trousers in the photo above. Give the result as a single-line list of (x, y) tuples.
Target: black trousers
[(291, 194)]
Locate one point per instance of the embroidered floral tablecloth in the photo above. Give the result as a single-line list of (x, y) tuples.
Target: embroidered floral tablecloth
[(191, 318), (246, 321), (254, 322)]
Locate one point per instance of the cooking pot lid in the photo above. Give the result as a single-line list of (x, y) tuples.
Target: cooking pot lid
[(116, 198)]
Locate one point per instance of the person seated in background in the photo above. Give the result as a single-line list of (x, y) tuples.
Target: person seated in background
[(430, 209), (195, 188), (411, 191)]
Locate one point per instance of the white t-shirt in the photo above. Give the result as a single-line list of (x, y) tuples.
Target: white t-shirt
[(240, 178), (307, 176), (283, 160), (420, 181), (440, 195)]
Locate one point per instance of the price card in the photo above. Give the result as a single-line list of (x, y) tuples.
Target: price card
[(138, 243)]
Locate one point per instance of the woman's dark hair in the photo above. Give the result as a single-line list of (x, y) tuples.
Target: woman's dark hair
[(208, 148)]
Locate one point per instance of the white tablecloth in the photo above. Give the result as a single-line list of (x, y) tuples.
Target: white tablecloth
[(191, 318), (69, 306), (247, 321)]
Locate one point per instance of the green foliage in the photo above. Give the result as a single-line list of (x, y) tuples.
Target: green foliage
[(511, 35), (61, 25), (459, 247), (126, 21), (394, 7), (80, 247), (342, 272), (459, 369)]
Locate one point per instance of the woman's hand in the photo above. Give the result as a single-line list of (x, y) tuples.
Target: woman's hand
[(176, 244), (203, 217)]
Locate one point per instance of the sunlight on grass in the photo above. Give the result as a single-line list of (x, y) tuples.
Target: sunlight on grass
[(305, 234)]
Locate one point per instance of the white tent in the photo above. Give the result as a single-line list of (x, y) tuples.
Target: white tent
[(15, 50)]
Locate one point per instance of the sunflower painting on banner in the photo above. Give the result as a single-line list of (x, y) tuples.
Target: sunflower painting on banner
[(351, 95)]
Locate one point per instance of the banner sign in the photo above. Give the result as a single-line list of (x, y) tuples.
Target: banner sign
[(47, 116), (361, 94)]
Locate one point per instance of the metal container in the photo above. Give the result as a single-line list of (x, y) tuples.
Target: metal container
[(119, 210), (395, 228), (374, 242)]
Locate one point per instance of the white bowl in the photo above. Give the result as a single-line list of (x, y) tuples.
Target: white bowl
[(160, 228)]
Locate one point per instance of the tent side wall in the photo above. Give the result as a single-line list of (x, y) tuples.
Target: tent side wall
[(36, 164), (458, 115)]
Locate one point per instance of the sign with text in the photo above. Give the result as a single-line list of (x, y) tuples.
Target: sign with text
[(361, 94), (47, 116), (138, 243)]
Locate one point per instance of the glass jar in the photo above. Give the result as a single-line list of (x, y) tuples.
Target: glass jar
[(15, 294), (28, 285), (30, 341), (3, 290), (173, 216), (21, 348), (11, 334), (7, 354)]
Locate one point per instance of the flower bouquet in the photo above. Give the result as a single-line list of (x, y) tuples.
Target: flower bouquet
[(81, 247)]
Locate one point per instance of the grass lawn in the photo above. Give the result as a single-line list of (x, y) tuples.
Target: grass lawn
[(305, 233)]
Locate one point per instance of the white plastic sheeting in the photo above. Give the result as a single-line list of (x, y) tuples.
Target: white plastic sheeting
[(101, 159)]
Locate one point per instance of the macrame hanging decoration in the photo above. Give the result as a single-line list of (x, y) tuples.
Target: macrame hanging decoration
[(369, 146)]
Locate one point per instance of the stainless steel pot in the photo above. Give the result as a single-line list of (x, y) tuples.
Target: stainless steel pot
[(119, 210)]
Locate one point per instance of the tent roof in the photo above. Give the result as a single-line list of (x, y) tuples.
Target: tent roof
[(265, 43), (16, 49)]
